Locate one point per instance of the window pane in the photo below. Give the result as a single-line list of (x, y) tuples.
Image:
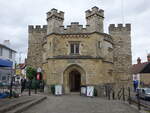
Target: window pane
[(72, 48), (3, 77), (77, 48), (10, 54), (1, 51)]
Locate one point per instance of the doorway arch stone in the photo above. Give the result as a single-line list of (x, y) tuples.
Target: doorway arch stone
[(66, 74)]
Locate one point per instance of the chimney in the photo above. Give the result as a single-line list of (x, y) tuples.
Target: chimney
[(148, 57), (6, 43), (139, 60)]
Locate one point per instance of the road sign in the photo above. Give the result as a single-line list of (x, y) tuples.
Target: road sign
[(39, 70)]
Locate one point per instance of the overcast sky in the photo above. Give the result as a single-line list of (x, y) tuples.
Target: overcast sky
[(16, 15)]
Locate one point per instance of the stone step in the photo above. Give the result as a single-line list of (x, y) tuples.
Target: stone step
[(15, 103), (27, 105), (7, 101)]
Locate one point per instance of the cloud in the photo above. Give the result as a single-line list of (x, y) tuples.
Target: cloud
[(16, 15)]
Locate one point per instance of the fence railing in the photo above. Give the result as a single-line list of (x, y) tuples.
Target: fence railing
[(125, 94)]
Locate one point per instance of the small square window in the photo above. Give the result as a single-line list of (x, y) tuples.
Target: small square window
[(74, 48), (3, 78)]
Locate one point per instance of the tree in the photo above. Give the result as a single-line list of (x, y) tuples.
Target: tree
[(30, 72)]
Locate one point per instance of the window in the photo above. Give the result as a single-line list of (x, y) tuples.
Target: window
[(10, 54), (74, 48), (1, 51), (3, 78), (50, 45), (99, 44)]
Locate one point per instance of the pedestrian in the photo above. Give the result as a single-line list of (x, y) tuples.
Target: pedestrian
[(23, 83)]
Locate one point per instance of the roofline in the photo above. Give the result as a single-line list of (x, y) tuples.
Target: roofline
[(79, 34), (7, 47)]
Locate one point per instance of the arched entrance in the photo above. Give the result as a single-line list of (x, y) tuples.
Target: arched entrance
[(74, 81), (73, 77)]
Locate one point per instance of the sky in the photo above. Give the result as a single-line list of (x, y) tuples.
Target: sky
[(16, 15)]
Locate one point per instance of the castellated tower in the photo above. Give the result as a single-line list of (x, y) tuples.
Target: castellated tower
[(54, 21), (35, 50), (122, 51), (94, 18)]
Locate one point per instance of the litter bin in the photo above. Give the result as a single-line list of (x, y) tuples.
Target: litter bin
[(83, 90)]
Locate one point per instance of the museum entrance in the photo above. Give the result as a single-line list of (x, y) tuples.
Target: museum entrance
[(74, 81)]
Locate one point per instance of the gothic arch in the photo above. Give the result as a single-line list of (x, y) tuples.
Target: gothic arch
[(66, 72)]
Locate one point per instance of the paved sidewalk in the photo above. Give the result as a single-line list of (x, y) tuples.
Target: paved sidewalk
[(78, 104)]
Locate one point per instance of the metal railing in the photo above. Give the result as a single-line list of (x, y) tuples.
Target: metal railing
[(125, 94)]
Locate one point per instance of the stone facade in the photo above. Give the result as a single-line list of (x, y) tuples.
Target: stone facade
[(98, 58), (35, 49)]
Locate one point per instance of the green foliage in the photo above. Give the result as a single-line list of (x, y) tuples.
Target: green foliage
[(30, 72), (95, 92), (34, 83)]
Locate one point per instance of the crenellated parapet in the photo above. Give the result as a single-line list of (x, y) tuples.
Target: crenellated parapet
[(95, 18), (53, 13), (95, 11), (119, 27), (74, 27), (37, 29)]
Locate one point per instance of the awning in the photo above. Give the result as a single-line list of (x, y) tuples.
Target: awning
[(5, 63)]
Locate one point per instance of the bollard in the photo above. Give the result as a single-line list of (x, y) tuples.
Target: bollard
[(123, 94), (108, 93), (113, 95), (129, 98), (138, 98), (30, 82)]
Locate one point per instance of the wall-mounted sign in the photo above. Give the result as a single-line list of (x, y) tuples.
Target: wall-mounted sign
[(18, 71), (39, 70), (90, 91), (58, 89)]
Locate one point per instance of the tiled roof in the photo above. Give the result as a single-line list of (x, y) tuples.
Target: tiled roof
[(137, 68)]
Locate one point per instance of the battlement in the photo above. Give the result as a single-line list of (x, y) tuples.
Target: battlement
[(37, 28), (53, 13), (95, 11), (74, 27), (120, 27)]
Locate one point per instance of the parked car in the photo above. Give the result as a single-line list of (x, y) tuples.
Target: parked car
[(144, 93)]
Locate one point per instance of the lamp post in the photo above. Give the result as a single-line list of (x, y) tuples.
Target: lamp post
[(11, 83), (30, 82)]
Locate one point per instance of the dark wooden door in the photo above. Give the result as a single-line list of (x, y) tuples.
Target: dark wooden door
[(75, 81)]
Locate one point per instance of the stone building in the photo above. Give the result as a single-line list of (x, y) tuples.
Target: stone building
[(141, 71), (77, 55)]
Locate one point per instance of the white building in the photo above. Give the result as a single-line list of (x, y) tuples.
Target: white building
[(7, 61)]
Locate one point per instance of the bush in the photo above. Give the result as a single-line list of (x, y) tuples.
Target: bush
[(53, 89), (30, 72), (34, 84), (95, 92)]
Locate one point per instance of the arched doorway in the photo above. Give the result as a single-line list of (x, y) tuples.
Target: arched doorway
[(73, 77), (74, 81)]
